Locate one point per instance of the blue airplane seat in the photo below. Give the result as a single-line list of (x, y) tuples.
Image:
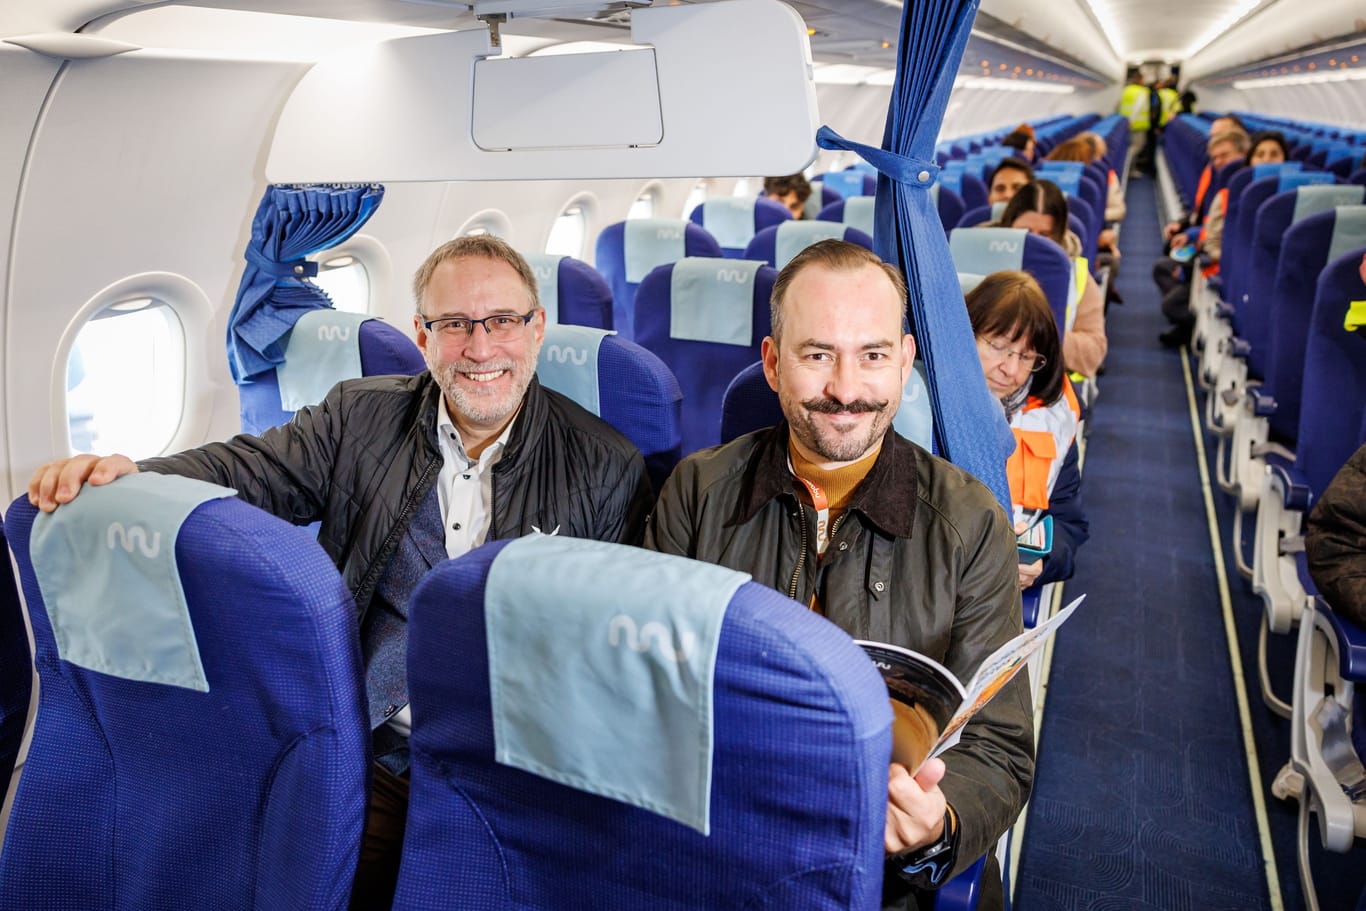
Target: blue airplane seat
[(16, 669), (982, 251), (800, 737), (572, 292), (1358, 176), (1238, 229), (983, 216), (706, 318), (628, 250), (1088, 221), (856, 212), (850, 182), (1232, 243), (383, 348), (622, 383), (949, 205), (734, 220), (778, 244), (821, 196), (974, 191), (219, 756)]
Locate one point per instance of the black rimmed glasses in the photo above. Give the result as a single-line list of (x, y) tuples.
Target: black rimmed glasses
[(501, 327), (1034, 362)]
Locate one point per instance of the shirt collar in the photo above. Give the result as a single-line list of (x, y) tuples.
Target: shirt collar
[(449, 435)]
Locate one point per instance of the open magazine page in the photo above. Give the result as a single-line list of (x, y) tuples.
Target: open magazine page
[(996, 671), (924, 695)]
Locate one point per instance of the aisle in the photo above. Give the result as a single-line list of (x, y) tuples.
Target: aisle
[(1141, 797)]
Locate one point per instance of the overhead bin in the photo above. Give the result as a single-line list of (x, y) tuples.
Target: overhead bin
[(714, 89)]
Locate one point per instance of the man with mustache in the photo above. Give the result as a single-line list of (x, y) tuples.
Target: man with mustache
[(403, 472), (888, 542)]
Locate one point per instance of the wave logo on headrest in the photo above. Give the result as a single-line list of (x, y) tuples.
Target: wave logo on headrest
[(911, 394), (566, 354), (622, 631), (543, 272), (732, 276), (133, 537), (334, 333), (1004, 246), (668, 234)]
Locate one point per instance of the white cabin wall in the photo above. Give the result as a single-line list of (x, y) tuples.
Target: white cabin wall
[(1342, 103), (975, 109)]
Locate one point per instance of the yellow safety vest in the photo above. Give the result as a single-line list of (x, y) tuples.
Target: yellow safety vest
[(1133, 105), (1170, 100)]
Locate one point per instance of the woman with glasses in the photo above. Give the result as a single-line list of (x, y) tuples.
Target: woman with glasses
[(1017, 343)]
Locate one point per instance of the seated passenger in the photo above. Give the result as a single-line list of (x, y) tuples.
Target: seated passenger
[(403, 472), (1040, 208), (792, 191), (1021, 139), (1079, 148), (1220, 125), (1017, 342), (835, 509), (1007, 177), (1335, 547)]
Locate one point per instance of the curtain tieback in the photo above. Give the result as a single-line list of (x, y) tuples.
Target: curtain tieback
[(911, 172), (297, 268)]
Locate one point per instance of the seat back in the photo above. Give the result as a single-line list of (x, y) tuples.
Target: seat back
[(220, 757), (1309, 245), (706, 319), (949, 205), (383, 350), (750, 404), (982, 251), (622, 383), (16, 670), (982, 216), (821, 196), (778, 244), (572, 292), (850, 182), (856, 212), (628, 250), (734, 220), (800, 734)]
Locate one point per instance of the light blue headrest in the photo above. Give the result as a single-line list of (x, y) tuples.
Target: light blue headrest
[(915, 417), (955, 166), (106, 566), (953, 180), (568, 363), (1273, 168), (863, 166), (815, 202), (859, 213), (1313, 199), (1291, 180), (546, 268), (601, 664), (1068, 182), (1349, 231), (987, 250), (969, 280), (323, 350), (795, 236), (1061, 167), (845, 183), (712, 300), (729, 219), (998, 209), (651, 242)]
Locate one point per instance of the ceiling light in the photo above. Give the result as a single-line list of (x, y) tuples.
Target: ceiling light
[(1306, 79), (1226, 22)]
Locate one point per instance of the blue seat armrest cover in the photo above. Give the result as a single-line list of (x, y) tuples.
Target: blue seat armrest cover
[(1351, 643), (963, 892), (1215, 284), (1224, 308), (1240, 348), (1296, 494), (1262, 405), (1030, 601)]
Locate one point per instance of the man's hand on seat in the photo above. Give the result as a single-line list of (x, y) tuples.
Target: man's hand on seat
[(59, 482)]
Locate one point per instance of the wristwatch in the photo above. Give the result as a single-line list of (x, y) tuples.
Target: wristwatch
[(929, 866)]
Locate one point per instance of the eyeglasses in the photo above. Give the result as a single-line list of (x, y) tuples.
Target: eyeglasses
[(1034, 362), (501, 327)]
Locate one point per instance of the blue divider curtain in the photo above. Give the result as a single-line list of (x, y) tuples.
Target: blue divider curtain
[(969, 424), (291, 222)]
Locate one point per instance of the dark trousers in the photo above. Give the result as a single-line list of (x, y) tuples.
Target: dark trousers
[(382, 844), (1172, 281)]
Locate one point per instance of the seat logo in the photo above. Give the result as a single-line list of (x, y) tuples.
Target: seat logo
[(334, 333), (134, 536), (1004, 246), (622, 631), (732, 276), (668, 234), (566, 354), (543, 273), (911, 395)]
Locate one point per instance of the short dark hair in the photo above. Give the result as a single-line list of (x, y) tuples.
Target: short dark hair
[(838, 256), (1041, 196), (1012, 304), (1274, 136), (1011, 163), (792, 183), (1017, 139)]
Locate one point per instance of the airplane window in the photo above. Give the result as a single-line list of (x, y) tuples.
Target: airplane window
[(696, 197), (347, 282), (643, 207), (567, 234), (488, 221), (744, 187), (125, 379)]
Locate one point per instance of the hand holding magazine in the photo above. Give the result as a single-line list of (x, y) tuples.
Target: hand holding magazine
[(929, 704)]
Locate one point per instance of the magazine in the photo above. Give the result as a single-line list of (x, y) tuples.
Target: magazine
[(930, 705)]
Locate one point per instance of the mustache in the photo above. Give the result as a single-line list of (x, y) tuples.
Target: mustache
[(834, 406)]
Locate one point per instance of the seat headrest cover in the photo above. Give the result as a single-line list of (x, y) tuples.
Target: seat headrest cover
[(845, 183), (568, 363), (730, 219), (712, 300), (323, 350), (969, 280), (1275, 169), (915, 416), (1311, 200), (987, 250), (601, 663), (105, 563), (546, 268), (1292, 179), (859, 213), (815, 202), (1349, 231), (795, 236), (651, 242), (997, 210), (1067, 181)]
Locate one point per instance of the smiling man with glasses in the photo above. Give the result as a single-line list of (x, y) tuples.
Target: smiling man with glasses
[(403, 472)]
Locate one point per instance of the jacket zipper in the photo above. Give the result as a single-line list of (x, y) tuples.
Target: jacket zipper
[(369, 579), (801, 558)]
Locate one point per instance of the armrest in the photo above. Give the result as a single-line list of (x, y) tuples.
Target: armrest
[(1239, 347), (963, 891), (1295, 493), (1263, 406), (1351, 643), (1224, 308), (1029, 600), (1215, 284)]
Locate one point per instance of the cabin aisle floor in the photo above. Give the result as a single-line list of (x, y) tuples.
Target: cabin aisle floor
[(1141, 796)]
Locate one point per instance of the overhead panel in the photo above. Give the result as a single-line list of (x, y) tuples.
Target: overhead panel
[(712, 89)]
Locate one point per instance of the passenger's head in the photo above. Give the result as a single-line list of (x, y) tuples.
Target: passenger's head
[(1017, 337), (1225, 148), (1267, 147), (1225, 122), (1008, 176), (1074, 149), (483, 372), (1021, 141), (1095, 143), (1040, 208), (792, 191), (839, 354)]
